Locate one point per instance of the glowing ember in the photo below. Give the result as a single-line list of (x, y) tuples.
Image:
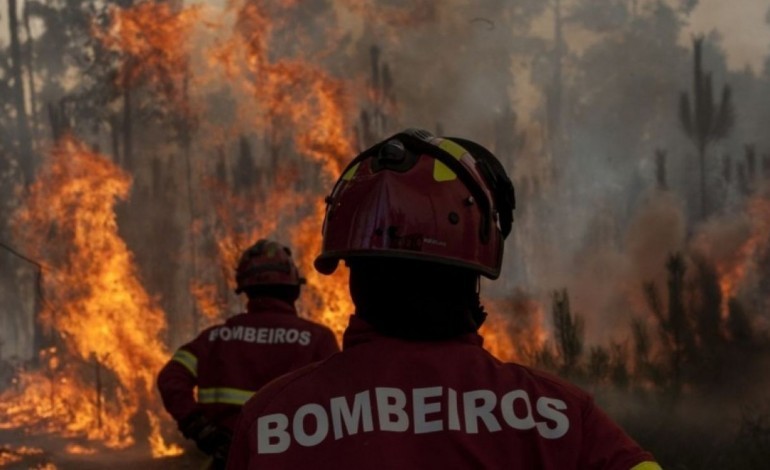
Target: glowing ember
[(9, 455), (107, 326), (75, 449)]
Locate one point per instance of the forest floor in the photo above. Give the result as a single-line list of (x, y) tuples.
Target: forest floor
[(51, 452)]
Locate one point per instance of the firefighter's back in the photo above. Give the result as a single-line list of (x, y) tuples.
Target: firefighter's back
[(389, 403)]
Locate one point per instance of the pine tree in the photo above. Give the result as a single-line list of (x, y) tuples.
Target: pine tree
[(705, 121), (568, 331)]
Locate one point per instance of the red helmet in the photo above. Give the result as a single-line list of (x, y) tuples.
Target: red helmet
[(266, 263), (416, 196)]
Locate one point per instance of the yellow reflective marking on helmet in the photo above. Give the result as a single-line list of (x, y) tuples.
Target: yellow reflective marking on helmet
[(351, 172), (187, 359), (228, 396), (454, 149), (646, 466), (442, 172)]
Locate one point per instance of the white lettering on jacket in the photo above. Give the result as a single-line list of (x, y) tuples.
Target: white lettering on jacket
[(433, 409), (250, 334)]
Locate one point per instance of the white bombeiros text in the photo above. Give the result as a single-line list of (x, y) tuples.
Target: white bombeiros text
[(250, 334), (433, 409)]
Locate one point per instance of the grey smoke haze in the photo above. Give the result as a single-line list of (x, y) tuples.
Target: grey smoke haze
[(461, 66), (596, 216)]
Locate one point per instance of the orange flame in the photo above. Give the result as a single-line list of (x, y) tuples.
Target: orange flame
[(76, 449), (735, 258), (313, 108), (9, 455), (150, 41), (206, 297), (513, 330), (107, 324)]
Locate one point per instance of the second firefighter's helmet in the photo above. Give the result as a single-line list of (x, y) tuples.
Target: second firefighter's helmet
[(415, 196), (266, 263)]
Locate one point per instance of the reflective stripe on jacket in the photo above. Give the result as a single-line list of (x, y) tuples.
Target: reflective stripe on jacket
[(227, 363)]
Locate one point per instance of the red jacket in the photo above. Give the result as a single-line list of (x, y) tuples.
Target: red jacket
[(388, 403), (229, 362)]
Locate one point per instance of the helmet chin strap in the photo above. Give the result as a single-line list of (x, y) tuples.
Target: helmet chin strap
[(478, 315)]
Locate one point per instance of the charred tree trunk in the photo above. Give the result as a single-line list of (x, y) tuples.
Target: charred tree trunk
[(115, 138), (245, 174), (128, 154), (569, 333), (58, 120), (185, 140), (41, 337), (704, 201), (25, 146)]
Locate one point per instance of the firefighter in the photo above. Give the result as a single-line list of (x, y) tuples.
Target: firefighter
[(229, 362), (418, 219)]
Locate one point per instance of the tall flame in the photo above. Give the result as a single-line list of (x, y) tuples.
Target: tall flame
[(312, 108), (108, 326), (513, 329), (150, 40), (735, 252)]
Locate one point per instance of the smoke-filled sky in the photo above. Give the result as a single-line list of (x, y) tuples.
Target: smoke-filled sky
[(615, 163), (746, 34), (742, 23)]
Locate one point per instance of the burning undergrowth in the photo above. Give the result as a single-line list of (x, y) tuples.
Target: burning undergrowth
[(93, 301)]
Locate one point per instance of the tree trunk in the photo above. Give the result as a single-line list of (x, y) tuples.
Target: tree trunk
[(185, 139), (704, 209), (115, 139), (128, 157), (31, 77), (25, 147)]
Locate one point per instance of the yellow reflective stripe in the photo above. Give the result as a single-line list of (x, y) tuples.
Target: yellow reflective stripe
[(646, 466), (452, 148), (351, 172), (187, 359), (442, 172), (230, 396)]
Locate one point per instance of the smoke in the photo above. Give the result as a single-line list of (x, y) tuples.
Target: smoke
[(578, 133)]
